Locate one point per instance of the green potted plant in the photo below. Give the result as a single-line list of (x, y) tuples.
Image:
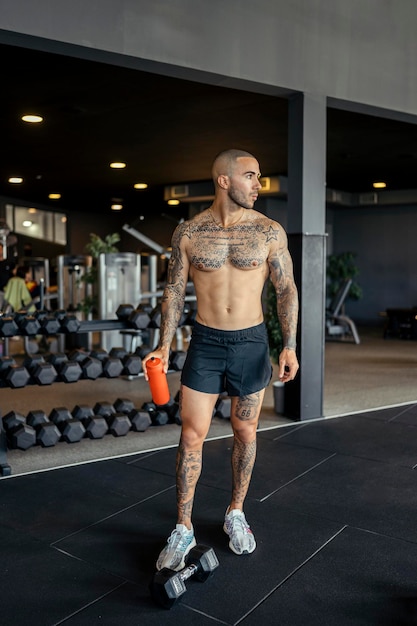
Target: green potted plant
[(94, 248), (339, 268)]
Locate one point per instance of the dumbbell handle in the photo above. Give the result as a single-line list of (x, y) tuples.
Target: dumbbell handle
[(187, 572)]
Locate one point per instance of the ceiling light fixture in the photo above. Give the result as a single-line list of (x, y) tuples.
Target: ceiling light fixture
[(173, 202), (140, 186), (117, 165), (54, 196), (15, 180), (379, 185), (32, 119), (116, 207)]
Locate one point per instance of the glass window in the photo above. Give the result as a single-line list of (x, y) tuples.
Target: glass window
[(33, 222)]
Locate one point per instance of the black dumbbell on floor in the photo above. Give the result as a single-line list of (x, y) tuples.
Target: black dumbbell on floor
[(167, 586)]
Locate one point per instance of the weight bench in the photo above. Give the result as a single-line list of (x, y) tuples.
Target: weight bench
[(340, 326)]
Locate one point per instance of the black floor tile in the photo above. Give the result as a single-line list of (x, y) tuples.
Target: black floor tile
[(51, 505), (390, 442), (284, 538), (129, 544), (406, 415), (130, 605), (276, 464), (387, 415), (357, 579), (358, 492), (40, 585), (332, 505)]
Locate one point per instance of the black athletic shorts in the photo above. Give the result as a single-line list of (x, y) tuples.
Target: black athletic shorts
[(236, 361)]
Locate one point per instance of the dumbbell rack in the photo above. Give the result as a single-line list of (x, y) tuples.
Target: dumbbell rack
[(82, 327)]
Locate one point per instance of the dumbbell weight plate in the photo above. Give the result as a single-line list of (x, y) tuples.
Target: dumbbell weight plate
[(119, 424), (47, 433)]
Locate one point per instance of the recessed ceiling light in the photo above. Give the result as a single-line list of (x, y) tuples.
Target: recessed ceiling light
[(15, 180), (118, 165), (173, 202), (32, 119), (140, 186), (54, 196), (379, 185), (116, 207)]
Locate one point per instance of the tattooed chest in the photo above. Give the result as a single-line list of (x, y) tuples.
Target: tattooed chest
[(213, 252)]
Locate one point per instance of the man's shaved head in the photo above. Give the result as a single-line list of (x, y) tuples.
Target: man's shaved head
[(225, 161)]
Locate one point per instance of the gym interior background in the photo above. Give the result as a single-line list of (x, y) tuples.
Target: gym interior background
[(325, 95)]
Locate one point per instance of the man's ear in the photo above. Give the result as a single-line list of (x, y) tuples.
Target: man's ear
[(223, 181)]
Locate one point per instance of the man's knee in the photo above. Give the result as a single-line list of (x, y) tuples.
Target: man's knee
[(246, 409)]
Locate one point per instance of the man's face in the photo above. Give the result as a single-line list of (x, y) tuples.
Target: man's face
[(244, 182)]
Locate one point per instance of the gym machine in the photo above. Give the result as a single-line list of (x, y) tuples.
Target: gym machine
[(154, 293), (72, 289), (338, 325), (118, 281)]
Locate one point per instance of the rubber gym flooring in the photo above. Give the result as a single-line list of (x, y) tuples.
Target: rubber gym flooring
[(332, 505)]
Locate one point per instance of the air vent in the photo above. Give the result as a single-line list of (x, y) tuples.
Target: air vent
[(368, 198), (179, 191)]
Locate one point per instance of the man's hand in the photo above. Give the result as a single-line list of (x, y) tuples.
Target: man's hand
[(288, 365), (159, 353)]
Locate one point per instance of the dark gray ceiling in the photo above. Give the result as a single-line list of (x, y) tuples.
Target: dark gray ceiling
[(167, 130)]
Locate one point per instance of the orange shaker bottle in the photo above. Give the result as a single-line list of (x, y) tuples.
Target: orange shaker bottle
[(157, 381)]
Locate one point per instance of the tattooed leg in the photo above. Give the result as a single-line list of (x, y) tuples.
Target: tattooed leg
[(244, 419), (196, 412), (188, 472)]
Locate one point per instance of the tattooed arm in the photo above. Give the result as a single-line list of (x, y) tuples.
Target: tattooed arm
[(172, 303), (281, 274)]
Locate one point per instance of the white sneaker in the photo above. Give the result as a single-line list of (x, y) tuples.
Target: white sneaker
[(178, 546), (242, 540)]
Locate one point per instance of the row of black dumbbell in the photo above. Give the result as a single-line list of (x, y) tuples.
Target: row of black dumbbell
[(61, 321), (117, 419), (146, 316), (38, 323), (77, 365)]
